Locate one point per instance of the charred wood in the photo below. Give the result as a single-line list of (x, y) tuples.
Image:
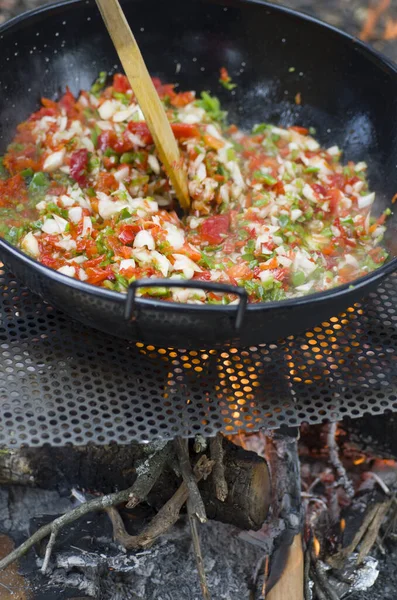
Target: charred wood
[(104, 469)]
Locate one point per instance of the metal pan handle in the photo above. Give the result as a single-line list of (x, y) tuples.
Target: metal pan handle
[(195, 284)]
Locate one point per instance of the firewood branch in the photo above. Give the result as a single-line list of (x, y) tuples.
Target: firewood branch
[(165, 518), (195, 498), (336, 461), (197, 551), (149, 472), (218, 472)]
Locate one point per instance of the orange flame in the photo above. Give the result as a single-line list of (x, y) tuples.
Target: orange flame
[(342, 525), (359, 461), (316, 546)]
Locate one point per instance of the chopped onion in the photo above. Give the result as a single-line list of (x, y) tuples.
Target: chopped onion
[(308, 193), (30, 244), (154, 164), (54, 161), (87, 226), (351, 260), (127, 263), (175, 237), (108, 109), (67, 270), (144, 238), (295, 214), (161, 262), (75, 214), (185, 264), (303, 263), (364, 201)]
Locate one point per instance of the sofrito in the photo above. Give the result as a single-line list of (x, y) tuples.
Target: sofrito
[(82, 191)]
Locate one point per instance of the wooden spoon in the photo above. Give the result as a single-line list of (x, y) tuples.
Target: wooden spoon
[(147, 96)]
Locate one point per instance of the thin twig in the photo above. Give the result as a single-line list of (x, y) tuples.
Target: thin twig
[(323, 580), (336, 461), (165, 518), (336, 561), (197, 551), (380, 482), (218, 472), (189, 479), (318, 591), (155, 463), (147, 474), (49, 550), (391, 523), (373, 530)]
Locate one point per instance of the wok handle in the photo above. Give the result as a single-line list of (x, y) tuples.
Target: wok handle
[(221, 288)]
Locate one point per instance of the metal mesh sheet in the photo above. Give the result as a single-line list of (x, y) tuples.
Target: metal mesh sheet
[(63, 383)]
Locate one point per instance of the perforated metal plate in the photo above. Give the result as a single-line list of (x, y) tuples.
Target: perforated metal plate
[(63, 383)]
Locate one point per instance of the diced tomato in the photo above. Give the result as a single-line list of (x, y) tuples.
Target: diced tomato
[(190, 252), (214, 229), (47, 103), (121, 83), (377, 255), (347, 273), (319, 189), (334, 196), (157, 83), (88, 246), (43, 112), (213, 142), (337, 180), (107, 182), (182, 99), (128, 233), (301, 130), (97, 275), (330, 250), (279, 188), (142, 130), (281, 274), (94, 262), (203, 276), (49, 261), (240, 271), (224, 75), (184, 130), (273, 264), (107, 139), (68, 101), (12, 189), (125, 252), (78, 166)]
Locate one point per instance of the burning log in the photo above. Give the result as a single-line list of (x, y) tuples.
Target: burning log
[(114, 467)]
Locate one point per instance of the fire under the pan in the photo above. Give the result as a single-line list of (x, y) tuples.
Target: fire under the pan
[(343, 502)]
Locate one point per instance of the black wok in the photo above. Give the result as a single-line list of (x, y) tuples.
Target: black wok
[(348, 92)]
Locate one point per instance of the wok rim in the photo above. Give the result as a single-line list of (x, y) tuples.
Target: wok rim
[(381, 61)]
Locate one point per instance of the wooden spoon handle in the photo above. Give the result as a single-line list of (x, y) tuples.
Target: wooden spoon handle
[(147, 96)]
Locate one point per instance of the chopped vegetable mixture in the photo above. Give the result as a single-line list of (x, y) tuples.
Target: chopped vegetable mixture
[(83, 192)]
